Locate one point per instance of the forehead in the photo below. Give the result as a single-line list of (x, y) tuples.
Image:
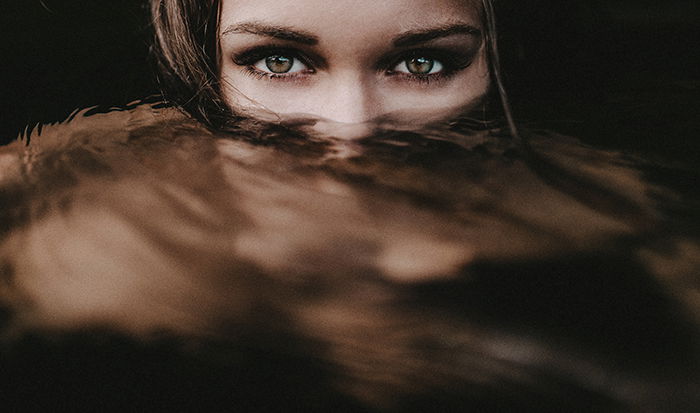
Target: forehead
[(352, 17)]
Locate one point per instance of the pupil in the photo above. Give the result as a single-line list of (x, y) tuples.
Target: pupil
[(279, 64), (420, 65)]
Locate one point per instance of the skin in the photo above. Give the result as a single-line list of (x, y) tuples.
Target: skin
[(345, 62)]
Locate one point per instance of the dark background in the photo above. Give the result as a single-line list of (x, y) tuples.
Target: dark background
[(58, 55), (620, 73)]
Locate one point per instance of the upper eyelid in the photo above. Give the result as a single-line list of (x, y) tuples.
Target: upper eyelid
[(256, 53), (445, 57)]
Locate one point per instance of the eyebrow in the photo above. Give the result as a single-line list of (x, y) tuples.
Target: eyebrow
[(277, 32), (423, 35), (299, 36)]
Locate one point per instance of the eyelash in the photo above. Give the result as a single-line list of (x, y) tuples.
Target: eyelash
[(451, 64), (259, 75)]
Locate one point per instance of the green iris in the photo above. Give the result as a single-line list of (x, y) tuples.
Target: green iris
[(279, 64), (420, 65)]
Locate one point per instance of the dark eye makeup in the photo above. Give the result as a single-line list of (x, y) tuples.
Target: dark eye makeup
[(450, 60)]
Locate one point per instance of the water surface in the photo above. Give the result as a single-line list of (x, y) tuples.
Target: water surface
[(323, 266)]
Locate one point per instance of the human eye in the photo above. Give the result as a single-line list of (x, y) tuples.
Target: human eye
[(280, 64), (419, 66), (428, 65), (274, 63)]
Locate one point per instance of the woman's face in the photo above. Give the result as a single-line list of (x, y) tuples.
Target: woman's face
[(353, 60)]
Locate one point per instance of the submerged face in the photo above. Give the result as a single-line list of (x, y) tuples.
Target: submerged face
[(353, 60)]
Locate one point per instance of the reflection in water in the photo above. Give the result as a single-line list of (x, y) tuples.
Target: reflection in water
[(149, 263)]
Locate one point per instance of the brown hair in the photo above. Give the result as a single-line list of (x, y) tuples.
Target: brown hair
[(187, 50)]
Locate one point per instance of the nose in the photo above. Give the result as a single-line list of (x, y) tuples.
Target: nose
[(349, 99)]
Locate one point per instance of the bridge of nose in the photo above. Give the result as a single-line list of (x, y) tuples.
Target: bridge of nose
[(349, 96)]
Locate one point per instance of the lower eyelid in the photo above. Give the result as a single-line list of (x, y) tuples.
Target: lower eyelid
[(260, 75), (412, 77)]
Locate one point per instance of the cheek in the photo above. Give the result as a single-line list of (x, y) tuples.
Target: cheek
[(476, 83), (244, 93), (462, 92)]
